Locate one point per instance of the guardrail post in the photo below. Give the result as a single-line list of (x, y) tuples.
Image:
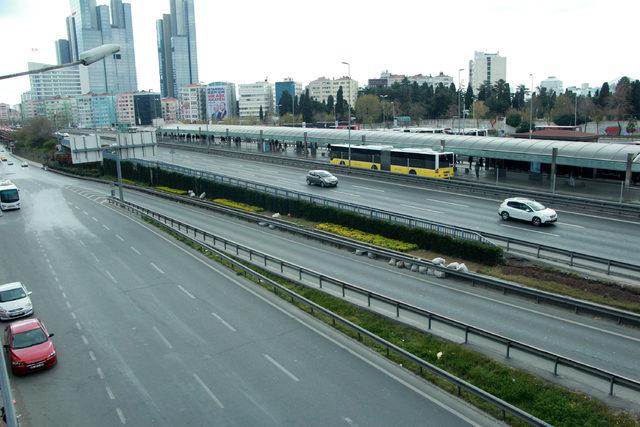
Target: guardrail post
[(397, 310), (466, 334), (608, 267), (538, 253), (343, 290), (300, 274), (611, 385), (571, 260), (265, 260), (237, 250), (555, 366), (368, 299), (429, 324), (281, 267), (508, 349), (250, 255)]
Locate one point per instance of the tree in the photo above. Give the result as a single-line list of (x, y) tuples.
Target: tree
[(307, 107), (35, 133), (603, 95), (484, 92), (562, 112), (514, 119), (330, 105), (286, 103), (635, 99), (621, 102), (368, 109), (261, 114), (499, 99), (518, 101), (631, 127), (479, 110), (339, 103), (468, 98)]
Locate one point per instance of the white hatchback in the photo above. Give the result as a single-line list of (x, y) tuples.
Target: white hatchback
[(14, 301), (527, 210)]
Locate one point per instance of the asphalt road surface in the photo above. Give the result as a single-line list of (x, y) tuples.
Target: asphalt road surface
[(149, 333)]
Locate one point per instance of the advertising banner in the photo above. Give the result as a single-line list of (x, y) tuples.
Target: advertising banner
[(217, 102)]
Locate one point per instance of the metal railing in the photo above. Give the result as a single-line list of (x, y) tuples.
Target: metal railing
[(456, 185), (401, 311), (611, 267), (460, 384)]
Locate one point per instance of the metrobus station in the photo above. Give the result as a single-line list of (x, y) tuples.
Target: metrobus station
[(564, 166)]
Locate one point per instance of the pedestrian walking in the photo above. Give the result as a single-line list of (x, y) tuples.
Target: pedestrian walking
[(478, 170)]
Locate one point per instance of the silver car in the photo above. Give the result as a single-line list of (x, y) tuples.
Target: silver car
[(14, 301), (321, 178), (527, 210)]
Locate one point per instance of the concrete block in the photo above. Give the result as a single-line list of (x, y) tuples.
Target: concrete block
[(400, 264), (422, 269), (392, 261), (414, 267), (371, 255)]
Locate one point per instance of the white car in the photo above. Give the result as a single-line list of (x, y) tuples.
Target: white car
[(24, 164), (14, 301), (528, 210)]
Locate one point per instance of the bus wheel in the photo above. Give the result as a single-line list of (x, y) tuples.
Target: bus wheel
[(342, 163), (374, 167), (412, 172)]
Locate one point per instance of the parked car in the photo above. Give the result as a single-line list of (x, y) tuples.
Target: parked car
[(24, 164), (10, 163), (528, 210), (29, 346), (14, 301), (321, 178)]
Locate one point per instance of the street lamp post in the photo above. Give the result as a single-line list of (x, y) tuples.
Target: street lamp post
[(459, 96), (531, 112), (575, 113), (349, 111)]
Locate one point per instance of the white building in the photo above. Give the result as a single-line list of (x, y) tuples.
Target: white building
[(583, 90), (253, 96), (420, 79), (192, 103), (552, 84), (169, 108), (56, 83), (321, 88), (486, 66), (125, 111)]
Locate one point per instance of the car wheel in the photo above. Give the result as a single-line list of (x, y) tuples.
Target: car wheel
[(536, 221), (505, 215), (322, 184), (308, 182)]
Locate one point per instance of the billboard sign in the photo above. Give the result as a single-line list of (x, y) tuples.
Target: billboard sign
[(217, 102)]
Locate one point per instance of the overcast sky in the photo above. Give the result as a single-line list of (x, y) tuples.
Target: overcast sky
[(245, 41)]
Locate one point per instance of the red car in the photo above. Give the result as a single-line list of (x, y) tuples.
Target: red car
[(29, 345)]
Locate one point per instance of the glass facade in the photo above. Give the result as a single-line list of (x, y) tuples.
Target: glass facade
[(147, 107), (280, 88)]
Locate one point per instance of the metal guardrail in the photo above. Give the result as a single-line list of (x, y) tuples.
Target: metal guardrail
[(370, 298), (613, 268), (460, 384), (456, 185)]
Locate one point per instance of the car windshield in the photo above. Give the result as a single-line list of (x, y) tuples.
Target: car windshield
[(537, 206), (29, 338), (324, 174), (12, 295), (9, 196)]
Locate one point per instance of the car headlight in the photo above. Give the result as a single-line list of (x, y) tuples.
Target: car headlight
[(3, 311), (53, 353), (17, 363)]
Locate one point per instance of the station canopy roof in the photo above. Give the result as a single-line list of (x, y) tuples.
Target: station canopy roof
[(611, 156)]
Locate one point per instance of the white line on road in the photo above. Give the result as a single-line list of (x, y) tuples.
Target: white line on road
[(100, 373), (166, 341), (110, 276), (73, 315), (64, 295), (84, 339), (68, 304), (208, 390), (157, 268), (95, 257), (348, 194), (55, 278), (94, 218), (92, 355), (532, 231), (123, 420), (282, 368), (135, 250), (223, 322), (105, 227), (81, 242), (85, 212), (78, 326), (118, 236), (110, 393), (186, 291), (369, 188), (422, 209), (447, 203), (570, 225)]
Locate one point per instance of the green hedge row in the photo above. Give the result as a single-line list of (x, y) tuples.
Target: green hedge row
[(425, 239)]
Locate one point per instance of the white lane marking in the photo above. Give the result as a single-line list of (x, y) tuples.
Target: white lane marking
[(95, 257), (110, 393), (82, 243), (123, 420), (84, 339), (78, 326), (350, 421), (282, 368), (135, 250), (530, 231), (422, 209), (118, 236), (110, 276), (68, 304), (162, 337), (382, 369), (73, 233), (447, 203), (94, 218), (92, 355), (208, 391), (100, 373), (570, 225), (73, 315), (55, 278), (85, 212), (157, 268), (60, 287), (64, 295), (348, 194), (369, 188), (105, 227), (223, 322), (186, 291)]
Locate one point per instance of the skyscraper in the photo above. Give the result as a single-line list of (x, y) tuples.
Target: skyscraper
[(484, 67), (63, 52), (90, 26), (177, 54)]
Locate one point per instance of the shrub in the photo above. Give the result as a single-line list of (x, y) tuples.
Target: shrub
[(238, 205), (374, 239)]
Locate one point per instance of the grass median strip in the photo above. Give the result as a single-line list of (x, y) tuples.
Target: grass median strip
[(550, 402)]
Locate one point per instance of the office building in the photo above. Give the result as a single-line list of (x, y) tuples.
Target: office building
[(95, 110), (486, 67), (125, 112), (321, 88), (221, 101), (388, 79), (176, 44), (90, 26), (62, 82), (293, 88), (146, 106), (253, 96), (552, 84), (169, 107), (63, 52), (192, 103)]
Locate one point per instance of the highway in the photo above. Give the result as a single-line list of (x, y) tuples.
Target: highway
[(598, 342), (150, 333), (593, 234)]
